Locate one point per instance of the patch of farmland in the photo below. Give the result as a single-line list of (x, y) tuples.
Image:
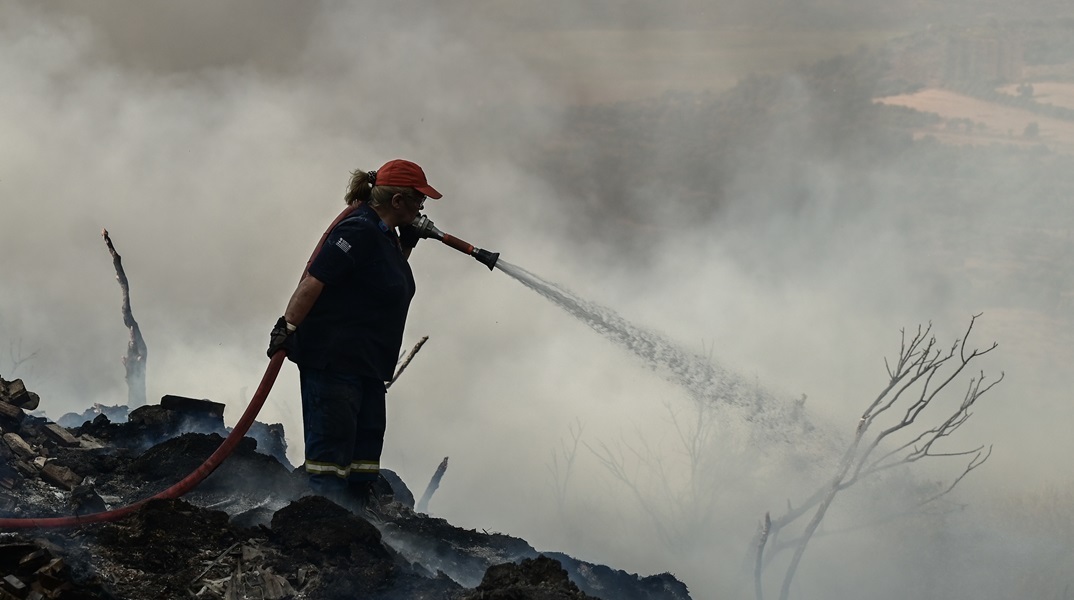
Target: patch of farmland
[(991, 123)]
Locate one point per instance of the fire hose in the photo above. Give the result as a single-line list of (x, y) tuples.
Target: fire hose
[(183, 486), (426, 229)]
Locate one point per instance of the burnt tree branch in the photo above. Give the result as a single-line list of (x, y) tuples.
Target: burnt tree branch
[(434, 484), (404, 363), (918, 376), (134, 361)]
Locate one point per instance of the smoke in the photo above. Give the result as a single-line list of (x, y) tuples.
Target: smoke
[(214, 141)]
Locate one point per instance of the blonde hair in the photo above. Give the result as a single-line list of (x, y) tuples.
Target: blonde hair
[(361, 189)]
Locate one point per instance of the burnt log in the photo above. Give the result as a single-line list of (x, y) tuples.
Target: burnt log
[(19, 446), (15, 392), (13, 585), (434, 483), (60, 435), (59, 476), (11, 413), (193, 405)]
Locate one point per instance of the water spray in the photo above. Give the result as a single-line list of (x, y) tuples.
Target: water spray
[(426, 229)]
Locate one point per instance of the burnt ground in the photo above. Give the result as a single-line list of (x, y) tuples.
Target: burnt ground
[(250, 530)]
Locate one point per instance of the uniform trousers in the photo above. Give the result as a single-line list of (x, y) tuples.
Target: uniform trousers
[(343, 419)]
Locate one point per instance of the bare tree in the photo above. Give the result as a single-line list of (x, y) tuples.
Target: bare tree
[(679, 509), (134, 361), (893, 431), (17, 356), (562, 465)]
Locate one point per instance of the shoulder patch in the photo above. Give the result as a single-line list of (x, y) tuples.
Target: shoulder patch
[(343, 245)]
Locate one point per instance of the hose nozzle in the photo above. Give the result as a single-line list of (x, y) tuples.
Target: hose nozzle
[(426, 229), (486, 258)]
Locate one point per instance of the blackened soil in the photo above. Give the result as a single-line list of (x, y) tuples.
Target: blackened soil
[(463, 554), (315, 525), (244, 468), (540, 578), (353, 561), (307, 548)]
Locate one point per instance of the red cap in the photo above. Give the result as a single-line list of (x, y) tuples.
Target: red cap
[(404, 173)]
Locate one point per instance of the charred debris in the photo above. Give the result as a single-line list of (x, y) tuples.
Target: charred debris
[(250, 530)]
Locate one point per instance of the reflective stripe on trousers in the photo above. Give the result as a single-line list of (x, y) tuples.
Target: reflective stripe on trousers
[(319, 468)]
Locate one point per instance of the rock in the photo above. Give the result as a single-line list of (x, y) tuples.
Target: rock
[(86, 501)]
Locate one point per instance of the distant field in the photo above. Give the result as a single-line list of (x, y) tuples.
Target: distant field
[(1001, 124), (1048, 92), (607, 66)]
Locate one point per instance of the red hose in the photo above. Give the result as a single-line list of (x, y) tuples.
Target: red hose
[(460, 245), (184, 486)]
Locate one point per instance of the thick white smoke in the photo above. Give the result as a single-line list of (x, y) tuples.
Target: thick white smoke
[(214, 142)]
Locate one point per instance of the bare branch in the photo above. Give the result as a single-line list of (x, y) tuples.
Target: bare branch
[(406, 361), (135, 360), (17, 357), (977, 461), (561, 475), (758, 567), (919, 375)]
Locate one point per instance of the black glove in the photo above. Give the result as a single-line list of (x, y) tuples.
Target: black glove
[(278, 339), (408, 236)]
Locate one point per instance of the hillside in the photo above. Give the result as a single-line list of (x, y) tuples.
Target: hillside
[(251, 530)]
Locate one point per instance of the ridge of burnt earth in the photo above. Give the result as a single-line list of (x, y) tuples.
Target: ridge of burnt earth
[(466, 555), (540, 578), (251, 529), (462, 554), (149, 425), (606, 582)]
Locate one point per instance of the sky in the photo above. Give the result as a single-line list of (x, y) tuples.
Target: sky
[(214, 141)]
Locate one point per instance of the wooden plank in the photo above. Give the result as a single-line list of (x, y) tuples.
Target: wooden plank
[(19, 446), (17, 394), (11, 412), (61, 477), (60, 435), (193, 406)]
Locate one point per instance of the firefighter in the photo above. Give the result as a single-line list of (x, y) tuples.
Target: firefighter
[(343, 327)]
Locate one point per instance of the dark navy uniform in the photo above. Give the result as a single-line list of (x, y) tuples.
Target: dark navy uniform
[(347, 347)]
